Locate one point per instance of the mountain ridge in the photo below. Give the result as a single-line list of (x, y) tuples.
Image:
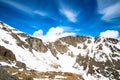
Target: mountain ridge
[(91, 58)]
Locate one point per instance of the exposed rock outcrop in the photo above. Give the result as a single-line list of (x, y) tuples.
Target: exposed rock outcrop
[(7, 54), (6, 76), (20, 64), (36, 44), (62, 48), (93, 67), (73, 40), (52, 49), (31, 74)]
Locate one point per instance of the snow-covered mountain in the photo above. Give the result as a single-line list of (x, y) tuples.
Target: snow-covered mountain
[(67, 58)]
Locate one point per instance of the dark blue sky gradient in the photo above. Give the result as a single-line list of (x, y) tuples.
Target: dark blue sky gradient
[(90, 17)]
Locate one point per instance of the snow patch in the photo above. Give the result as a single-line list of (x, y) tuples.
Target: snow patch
[(67, 63)]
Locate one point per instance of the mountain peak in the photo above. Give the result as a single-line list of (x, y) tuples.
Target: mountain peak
[(3, 25), (8, 28)]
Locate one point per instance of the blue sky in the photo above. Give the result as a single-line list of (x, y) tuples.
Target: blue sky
[(82, 17)]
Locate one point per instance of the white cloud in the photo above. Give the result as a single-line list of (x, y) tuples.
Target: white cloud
[(40, 13), (55, 31), (110, 34), (18, 6), (23, 7), (109, 10), (70, 15), (52, 34), (38, 33)]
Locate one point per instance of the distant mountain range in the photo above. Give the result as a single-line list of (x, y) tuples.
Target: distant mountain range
[(68, 58)]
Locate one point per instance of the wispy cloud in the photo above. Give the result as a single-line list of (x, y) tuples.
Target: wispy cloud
[(109, 10), (17, 6), (69, 14), (40, 13), (24, 8)]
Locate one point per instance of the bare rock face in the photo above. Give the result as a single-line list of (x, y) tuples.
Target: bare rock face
[(19, 41), (52, 49), (6, 76), (22, 34), (56, 47), (7, 54), (20, 64), (97, 39), (36, 44), (69, 40), (73, 40), (62, 48), (111, 40)]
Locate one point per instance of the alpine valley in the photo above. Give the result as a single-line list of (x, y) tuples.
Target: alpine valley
[(23, 57)]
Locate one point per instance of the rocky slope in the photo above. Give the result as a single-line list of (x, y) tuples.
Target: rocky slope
[(6, 76), (82, 57)]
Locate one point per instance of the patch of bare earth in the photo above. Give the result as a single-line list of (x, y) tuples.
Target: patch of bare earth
[(31, 74)]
